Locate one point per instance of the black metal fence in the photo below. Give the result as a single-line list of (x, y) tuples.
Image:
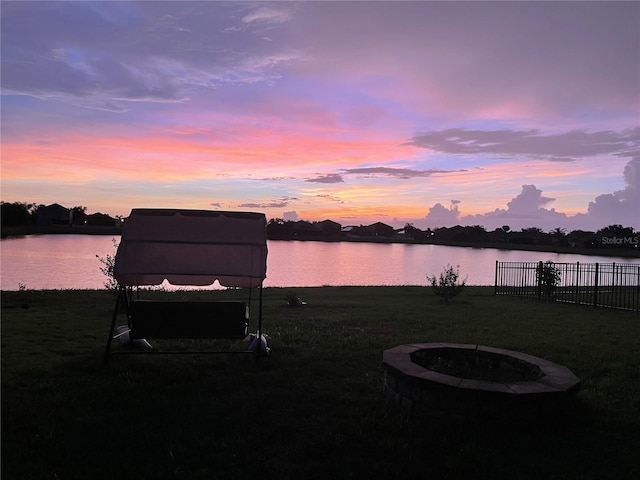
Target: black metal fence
[(611, 285)]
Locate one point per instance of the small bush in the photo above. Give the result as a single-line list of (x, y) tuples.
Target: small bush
[(548, 277), (108, 262), (447, 285)]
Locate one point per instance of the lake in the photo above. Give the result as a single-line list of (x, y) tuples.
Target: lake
[(43, 262)]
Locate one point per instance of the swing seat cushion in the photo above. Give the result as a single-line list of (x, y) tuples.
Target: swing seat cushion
[(187, 320)]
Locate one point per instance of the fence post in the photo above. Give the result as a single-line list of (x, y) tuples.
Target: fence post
[(638, 291), (614, 293), (539, 279), (495, 280), (595, 287), (577, 284)]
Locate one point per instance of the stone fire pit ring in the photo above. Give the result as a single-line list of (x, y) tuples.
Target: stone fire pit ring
[(543, 391)]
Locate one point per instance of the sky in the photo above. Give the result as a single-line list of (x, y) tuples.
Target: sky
[(437, 114)]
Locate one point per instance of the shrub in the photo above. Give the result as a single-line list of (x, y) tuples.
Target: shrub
[(547, 277), (447, 285), (108, 262)]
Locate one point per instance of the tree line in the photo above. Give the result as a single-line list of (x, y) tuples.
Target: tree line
[(16, 214), (610, 236)]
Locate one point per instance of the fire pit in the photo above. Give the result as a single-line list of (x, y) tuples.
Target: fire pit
[(475, 381)]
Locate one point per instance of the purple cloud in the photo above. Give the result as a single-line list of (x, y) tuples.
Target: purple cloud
[(402, 173), (290, 216), (330, 178), (527, 209), (556, 147), (530, 200), (623, 204), (524, 210), (331, 198), (440, 216), (264, 205)]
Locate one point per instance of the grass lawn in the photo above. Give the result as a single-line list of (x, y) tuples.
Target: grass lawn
[(316, 408)]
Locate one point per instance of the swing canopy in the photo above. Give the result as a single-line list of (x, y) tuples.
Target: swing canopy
[(192, 247)]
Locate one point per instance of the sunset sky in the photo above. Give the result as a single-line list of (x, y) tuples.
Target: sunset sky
[(524, 114)]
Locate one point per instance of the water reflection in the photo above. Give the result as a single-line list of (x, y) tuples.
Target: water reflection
[(69, 261)]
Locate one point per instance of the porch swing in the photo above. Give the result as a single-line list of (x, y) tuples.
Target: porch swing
[(195, 248)]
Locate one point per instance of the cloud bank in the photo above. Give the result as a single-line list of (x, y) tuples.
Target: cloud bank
[(528, 209), (563, 147)]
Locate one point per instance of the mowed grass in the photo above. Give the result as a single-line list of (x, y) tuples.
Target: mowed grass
[(316, 407)]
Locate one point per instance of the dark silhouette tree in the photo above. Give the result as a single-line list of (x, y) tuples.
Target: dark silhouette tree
[(413, 232), (615, 231), (506, 229), (276, 226), (79, 215), (561, 236), (17, 213)]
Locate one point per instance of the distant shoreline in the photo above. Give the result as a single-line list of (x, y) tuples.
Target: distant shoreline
[(24, 230), (13, 232), (596, 252)]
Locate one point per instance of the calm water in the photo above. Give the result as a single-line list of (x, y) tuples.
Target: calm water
[(69, 261)]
